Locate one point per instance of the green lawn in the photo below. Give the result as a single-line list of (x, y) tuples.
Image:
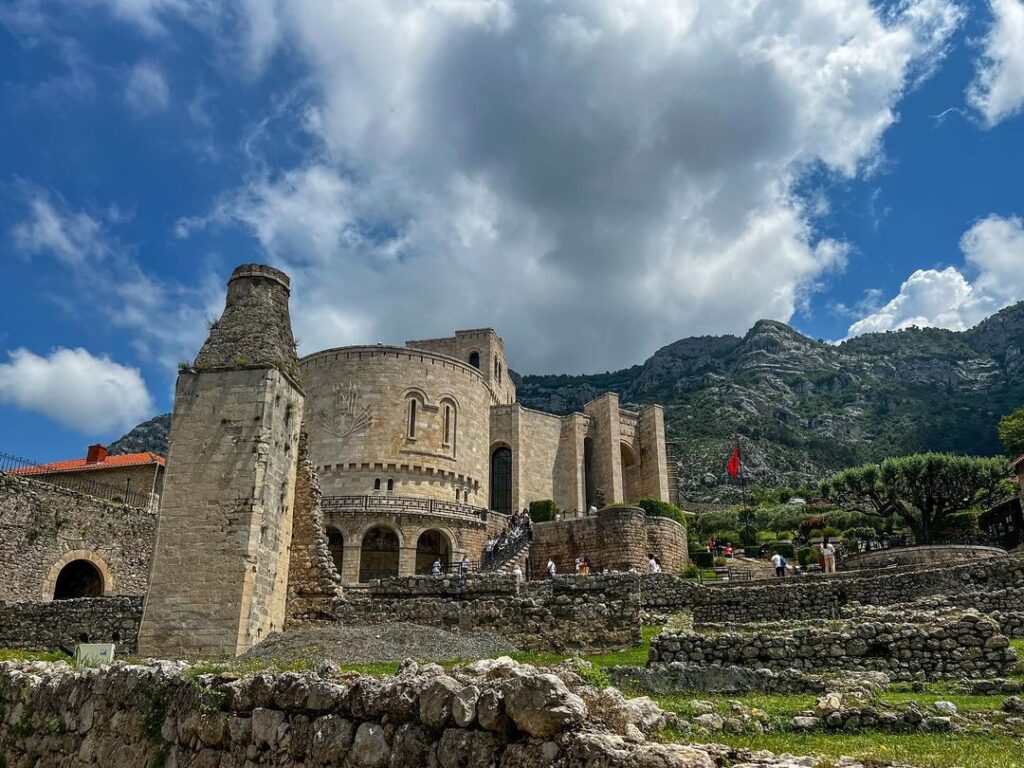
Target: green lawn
[(918, 749)]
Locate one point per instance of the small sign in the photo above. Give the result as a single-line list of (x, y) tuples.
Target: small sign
[(93, 654)]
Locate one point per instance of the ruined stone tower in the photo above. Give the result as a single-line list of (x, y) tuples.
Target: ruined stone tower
[(220, 570)]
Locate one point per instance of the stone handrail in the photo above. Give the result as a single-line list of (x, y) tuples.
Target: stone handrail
[(393, 503)]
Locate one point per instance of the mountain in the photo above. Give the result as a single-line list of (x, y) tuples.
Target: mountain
[(148, 436), (799, 408)]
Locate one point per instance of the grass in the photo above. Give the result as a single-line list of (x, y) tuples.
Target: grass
[(922, 750), (16, 654)]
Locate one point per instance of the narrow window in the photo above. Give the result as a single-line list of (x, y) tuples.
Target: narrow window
[(456, 494), (447, 424), (412, 418), (495, 366), (391, 484), (376, 484), (474, 360)]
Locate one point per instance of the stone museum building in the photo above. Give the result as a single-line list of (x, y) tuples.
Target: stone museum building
[(422, 450)]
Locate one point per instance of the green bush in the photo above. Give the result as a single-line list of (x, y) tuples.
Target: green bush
[(656, 508), (702, 559), (543, 510), (830, 533), (720, 562), (784, 548), (961, 522), (807, 556), (754, 551), (726, 536), (765, 536), (690, 571)]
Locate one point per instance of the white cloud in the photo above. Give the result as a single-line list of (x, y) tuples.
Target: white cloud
[(998, 88), (147, 91), (88, 393), (166, 319), (994, 252), (71, 237), (592, 179)]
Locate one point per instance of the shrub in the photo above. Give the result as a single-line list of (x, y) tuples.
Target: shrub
[(765, 536), (656, 508), (720, 562), (829, 532), (702, 559), (807, 556), (726, 536), (784, 548), (690, 571), (810, 524), (543, 510), (961, 522), (754, 551)]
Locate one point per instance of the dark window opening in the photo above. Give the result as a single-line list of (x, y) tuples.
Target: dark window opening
[(501, 480), (79, 578), (474, 360)]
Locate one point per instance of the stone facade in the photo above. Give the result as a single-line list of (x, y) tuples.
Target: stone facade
[(47, 530), (220, 570), (62, 625), (615, 539)]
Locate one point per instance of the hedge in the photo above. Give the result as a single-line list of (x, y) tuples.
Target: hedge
[(543, 510), (656, 508), (784, 548), (702, 559)]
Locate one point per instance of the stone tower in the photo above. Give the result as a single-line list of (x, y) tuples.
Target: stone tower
[(220, 569)]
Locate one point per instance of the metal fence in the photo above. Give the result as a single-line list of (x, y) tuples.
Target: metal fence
[(392, 503), (79, 482)]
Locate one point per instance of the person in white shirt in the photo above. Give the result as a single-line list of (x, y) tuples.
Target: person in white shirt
[(780, 565), (551, 568), (829, 553), (436, 568), (652, 567)]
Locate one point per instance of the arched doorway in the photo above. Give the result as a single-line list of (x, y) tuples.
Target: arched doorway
[(379, 554), (79, 578), (501, 480), (631, 485), (336, 543), (430, 546)]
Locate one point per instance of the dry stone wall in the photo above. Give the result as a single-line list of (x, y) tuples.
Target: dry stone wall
[(63, 624), (946, 646), (492, 713), (566, 612), (43, 527)]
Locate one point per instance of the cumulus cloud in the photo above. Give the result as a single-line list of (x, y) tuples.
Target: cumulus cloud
[(71, 237), (592, 179), (993, 251), (998, 88), (79, 390), (147, 91)]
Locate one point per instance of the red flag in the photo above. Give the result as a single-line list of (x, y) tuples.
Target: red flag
[(734, 462)]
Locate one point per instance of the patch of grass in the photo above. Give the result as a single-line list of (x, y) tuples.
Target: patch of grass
[(781, 705), (630, 657), (17, 654), (922, 750), (963, 702)]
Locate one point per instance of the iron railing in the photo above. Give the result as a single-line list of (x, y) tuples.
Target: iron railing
[(506, 553), (80, 482), (391, 503)]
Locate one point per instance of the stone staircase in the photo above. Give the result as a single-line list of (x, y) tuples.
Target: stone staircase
[(510, 557)]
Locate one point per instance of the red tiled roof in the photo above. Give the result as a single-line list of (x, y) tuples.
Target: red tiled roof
[(80, 465)]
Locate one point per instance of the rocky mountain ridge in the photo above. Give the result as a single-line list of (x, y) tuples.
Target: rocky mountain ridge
[(799, 408)]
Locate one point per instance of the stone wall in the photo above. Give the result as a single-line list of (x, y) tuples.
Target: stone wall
[(568, 612), (822, 596), (943, 646), (946, 554), (45, 527), (63, 624), (492, 713), (313, 582), (126, 484), (616, 539)]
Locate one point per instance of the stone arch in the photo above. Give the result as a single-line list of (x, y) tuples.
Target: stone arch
[(431, 544), (97, 563), (380, 545), (449, 422), (501, 478), (632, 485)]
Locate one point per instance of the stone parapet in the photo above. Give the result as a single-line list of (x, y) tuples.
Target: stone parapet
[(65, 623)]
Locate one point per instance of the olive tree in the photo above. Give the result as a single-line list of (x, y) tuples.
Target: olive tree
[(921, 490)]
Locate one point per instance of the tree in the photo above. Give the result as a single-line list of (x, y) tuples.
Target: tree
[(1011, 433), (921, 489)]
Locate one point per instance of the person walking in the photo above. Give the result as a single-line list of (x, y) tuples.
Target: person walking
[(780, 565), (551, 568), (464, 565), (829, 553), (435, 569)]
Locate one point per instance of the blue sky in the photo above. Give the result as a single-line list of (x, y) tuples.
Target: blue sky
[(593, 179)]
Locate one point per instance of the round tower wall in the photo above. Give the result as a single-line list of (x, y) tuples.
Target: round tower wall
[(358, 413)]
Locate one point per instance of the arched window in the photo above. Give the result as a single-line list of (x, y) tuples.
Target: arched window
[(391, 484), (474, 360), (412, 417), (449, 425), (376, 484), (457, 494), (501, 480)]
